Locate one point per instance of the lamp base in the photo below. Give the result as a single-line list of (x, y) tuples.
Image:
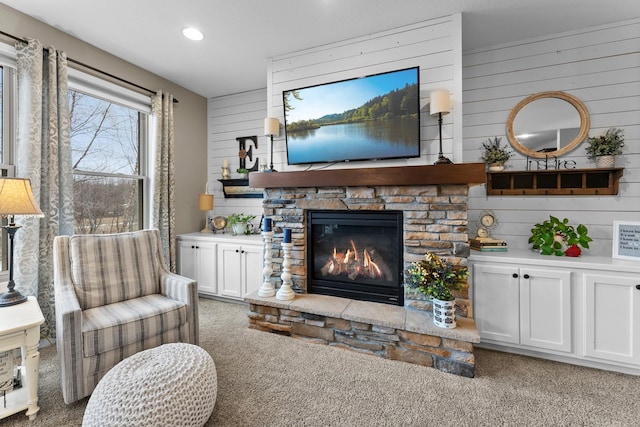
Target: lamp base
[(443, 161), (11, 297)]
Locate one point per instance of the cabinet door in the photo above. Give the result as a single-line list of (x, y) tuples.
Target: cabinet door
[(229, 273), (187, 259), (207, 266), (545, 308), (496, 302), (251, 268), (612, 317)]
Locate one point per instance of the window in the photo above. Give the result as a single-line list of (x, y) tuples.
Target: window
[(6, 169), (109, 132)]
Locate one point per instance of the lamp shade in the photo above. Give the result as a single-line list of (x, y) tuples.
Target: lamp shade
[(271, 126), (440, 102), (16, 198), (205, 202)]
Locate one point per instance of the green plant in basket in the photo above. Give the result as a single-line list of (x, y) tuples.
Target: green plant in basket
[(494, 152), (435, 277), (240, 218), (557, 237), (608, 144)]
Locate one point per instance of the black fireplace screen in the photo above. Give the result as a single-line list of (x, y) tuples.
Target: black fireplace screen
[(356, 254)]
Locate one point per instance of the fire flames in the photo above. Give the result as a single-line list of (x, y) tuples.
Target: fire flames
[(354, 264)]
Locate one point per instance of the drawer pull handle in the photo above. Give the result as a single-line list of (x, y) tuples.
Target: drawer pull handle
[(638, 287), (515, 275), (526, 276)]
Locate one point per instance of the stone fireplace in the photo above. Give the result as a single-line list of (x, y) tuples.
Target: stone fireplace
[(355, 254), (429, 204)]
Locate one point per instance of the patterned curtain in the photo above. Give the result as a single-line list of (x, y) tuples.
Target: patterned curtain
[(43, 154), (163, 174)]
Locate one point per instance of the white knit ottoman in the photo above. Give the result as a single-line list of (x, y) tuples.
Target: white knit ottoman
[(170, 385)]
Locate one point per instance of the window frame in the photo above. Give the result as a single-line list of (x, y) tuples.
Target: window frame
[(9, 125), (99, 88)]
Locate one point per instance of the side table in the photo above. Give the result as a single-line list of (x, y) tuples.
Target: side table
[(20, 328)]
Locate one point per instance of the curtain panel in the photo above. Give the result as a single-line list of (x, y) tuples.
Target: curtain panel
[(163, 174), (43, 154)]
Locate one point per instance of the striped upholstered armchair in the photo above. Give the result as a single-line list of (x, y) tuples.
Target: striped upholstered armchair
[(114, 297)]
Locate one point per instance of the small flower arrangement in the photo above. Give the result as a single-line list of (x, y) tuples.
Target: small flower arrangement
[(608, 144), (435, 277), (494, 152)]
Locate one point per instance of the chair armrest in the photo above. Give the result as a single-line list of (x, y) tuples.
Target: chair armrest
[(68, 328), (183, 289)]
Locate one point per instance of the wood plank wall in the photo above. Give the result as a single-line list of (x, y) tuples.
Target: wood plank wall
[(599, 65), (432, 45), (435, 46), (230, 117)]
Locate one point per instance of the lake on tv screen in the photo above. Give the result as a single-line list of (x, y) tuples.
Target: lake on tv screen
[(397, 137)]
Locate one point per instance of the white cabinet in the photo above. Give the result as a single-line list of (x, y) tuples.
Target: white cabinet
[(240, 268), (496, 295), (224, 265), (523, 305), (612, 326), (197, 261), (582, 310)]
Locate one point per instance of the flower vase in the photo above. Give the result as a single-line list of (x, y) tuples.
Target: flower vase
[(496, 167), (444, 313)]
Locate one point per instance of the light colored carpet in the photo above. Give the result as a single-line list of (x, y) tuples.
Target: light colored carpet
[(270, 380)]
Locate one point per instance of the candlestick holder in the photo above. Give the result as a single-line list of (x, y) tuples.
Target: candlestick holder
[(285, 292), (267, 289)]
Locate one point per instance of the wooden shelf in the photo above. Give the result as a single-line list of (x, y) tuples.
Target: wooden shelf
[(239, 188), (555, 182), (460, 173)]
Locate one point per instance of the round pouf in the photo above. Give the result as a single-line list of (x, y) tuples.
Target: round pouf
[(170, 385)]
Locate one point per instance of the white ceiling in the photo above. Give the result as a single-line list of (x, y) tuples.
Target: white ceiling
[(241, 34)]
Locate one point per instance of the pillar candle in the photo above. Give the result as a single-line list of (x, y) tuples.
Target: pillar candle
[(287, 235), (266, 225), (225, 163)]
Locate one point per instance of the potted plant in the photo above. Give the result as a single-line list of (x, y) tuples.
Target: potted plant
[(243, 171), (240, 223), (558, 237), (437, 278), (494, 154), (603, 149)]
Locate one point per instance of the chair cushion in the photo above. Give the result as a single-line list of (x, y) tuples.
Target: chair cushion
[(117, 325), (109, 268)]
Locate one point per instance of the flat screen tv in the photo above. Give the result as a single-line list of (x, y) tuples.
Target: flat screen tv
[(368, 118)]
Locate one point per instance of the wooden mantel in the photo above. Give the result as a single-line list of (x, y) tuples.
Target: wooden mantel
[(460, 173)]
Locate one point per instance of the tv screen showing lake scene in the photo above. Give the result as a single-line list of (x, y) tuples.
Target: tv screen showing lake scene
[(368, 118)]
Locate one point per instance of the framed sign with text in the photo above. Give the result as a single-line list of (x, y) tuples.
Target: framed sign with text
[(626, 240)]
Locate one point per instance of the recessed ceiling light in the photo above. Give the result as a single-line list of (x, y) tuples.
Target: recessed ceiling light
[(193, 33)]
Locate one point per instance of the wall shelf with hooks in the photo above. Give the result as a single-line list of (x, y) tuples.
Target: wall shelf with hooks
[(555, 182)]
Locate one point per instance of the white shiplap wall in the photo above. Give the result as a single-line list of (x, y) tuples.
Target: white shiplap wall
[(601, 66), (435, 46), (230, 117)]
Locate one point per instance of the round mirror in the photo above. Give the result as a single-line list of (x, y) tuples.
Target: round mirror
[(548, 124)]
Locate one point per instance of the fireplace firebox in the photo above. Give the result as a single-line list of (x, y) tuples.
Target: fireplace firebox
[(356, 254)]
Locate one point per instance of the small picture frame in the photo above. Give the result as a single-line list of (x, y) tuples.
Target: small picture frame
[(626, 240)]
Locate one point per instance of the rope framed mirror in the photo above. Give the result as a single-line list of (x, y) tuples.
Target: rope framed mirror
[(548, 124)]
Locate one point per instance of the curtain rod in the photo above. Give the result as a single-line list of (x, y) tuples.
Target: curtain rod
[(82, 64)]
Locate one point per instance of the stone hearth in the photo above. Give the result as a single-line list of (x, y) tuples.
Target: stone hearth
[(382, 330)]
